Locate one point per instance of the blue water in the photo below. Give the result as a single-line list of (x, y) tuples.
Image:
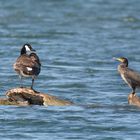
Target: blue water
[(75, 40)]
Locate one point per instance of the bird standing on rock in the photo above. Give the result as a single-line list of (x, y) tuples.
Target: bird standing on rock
[(131, 77), (28, 63)]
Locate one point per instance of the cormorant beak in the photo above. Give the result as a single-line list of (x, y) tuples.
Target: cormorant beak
[(118, 59)]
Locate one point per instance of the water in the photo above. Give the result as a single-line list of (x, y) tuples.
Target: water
[(75, 40)]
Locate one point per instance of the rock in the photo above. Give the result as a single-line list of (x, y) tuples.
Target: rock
[(133, 99), (27, 96)]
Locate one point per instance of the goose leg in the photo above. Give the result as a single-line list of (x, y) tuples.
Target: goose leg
[(20, 81), (32, 82)]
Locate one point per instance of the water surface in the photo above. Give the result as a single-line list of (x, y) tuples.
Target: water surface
[(75, 41)]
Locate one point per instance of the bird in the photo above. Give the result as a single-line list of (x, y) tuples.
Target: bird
[(28, 63), (130, 76)]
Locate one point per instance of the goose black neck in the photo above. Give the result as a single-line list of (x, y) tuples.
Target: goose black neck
[(23, 51)]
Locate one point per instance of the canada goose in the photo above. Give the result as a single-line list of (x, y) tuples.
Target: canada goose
[(28, 63)]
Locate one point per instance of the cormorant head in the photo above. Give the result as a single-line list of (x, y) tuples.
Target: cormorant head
[(123, 60), (27, 49)]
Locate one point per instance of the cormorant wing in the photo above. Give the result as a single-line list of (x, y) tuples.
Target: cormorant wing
[(132, 76)]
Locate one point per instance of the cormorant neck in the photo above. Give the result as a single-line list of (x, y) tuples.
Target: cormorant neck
[(125, 64)]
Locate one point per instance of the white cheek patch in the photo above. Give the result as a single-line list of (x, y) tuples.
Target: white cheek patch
[(27, 48), (29, 69)]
